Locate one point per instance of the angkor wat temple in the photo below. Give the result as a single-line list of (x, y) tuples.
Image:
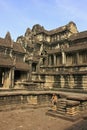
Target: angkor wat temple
[(45, 60), (50, 59)]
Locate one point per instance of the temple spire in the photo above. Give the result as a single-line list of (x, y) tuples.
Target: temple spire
[(8, 37)]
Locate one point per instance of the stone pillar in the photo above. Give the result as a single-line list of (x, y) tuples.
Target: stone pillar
[(63, 58), (12, 77), (39, 78), (77, 56), (84, 82), (49, 60), (37, 67), (54, 59), (66, 81), (62, 81), (8, 79), (71, 81), (29, 76)]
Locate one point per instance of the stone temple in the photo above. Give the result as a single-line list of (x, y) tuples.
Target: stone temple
[(42, 62)]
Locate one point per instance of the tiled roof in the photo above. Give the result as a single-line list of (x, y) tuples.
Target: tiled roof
[(57, 30), (5, 43), (18, 48), (21, 66), (51, 32), (76, 47), (79, 35), (5, 61)]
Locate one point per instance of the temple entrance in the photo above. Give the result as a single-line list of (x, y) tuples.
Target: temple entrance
[(4, 77), (17, 75)]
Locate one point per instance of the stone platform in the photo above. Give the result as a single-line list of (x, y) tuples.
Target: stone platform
[(70, 105), (63, 116)]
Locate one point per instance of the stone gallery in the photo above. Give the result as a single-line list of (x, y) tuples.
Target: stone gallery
[(41, 62)]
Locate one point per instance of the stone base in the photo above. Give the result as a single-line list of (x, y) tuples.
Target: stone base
[(22, 106), (63, 116)]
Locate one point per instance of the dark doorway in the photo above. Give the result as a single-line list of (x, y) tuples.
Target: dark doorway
[(17, 75)]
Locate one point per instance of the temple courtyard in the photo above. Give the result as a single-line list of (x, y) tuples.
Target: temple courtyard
[(36, 119)]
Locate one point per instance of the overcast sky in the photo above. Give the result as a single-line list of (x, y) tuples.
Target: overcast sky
[(17, 15)]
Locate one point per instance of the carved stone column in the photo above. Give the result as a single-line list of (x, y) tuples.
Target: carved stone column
[(8, 78), (49, 60), (71, 81), (77, 56), (62, 81), (63, 58), (54, 59), (84, 82), (12, 77)]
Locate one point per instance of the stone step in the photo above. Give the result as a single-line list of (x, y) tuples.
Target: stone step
[(61, 112), (61, 107), (63, 115), (61, 104)]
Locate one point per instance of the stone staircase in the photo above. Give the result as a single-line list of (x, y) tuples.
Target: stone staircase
[(61, 106), (66, 109)]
